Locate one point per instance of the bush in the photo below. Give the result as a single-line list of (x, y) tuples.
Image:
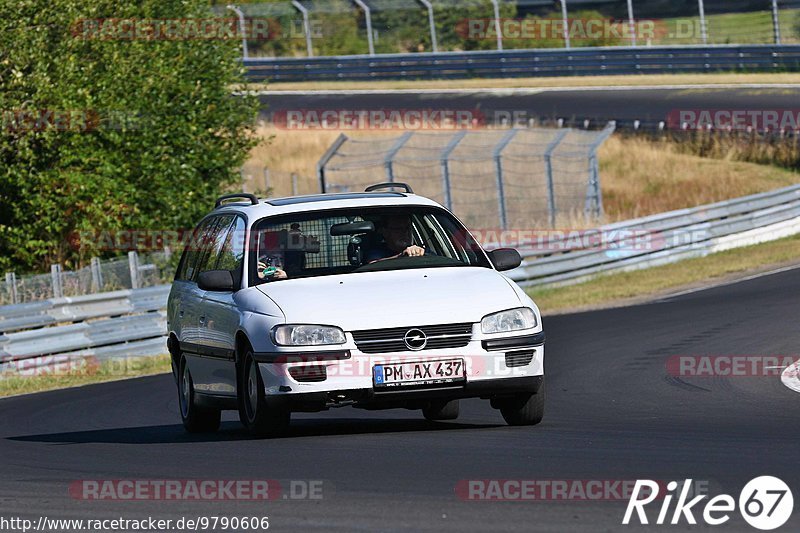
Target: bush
[(147, 132)]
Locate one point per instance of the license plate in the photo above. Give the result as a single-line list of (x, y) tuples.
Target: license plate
[(419, 373)]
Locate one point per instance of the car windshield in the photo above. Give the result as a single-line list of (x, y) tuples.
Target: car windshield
[(346, 241)]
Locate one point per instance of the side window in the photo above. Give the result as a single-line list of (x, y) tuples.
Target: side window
[(188, 266), (232, 253), (212, 246)]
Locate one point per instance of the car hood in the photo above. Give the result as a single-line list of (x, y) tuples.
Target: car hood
[(394, 298)]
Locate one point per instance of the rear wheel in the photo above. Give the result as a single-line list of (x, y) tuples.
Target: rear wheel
[(196, 419), (441, 410), (524, 410), (256, 415)]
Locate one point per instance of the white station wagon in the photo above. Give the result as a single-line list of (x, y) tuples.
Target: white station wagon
[(375, 300)]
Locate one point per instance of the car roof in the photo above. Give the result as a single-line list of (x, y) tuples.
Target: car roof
[(323, 202)]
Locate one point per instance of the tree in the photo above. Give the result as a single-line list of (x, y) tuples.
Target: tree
[(104, 130)]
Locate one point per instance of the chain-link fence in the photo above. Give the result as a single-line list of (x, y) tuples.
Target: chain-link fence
[(298, 28), (134, 271), (503, 179)]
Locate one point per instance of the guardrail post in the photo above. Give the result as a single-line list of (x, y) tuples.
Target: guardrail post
[(11, 284), (368, 15), (306, 26), (776, 21), (594, 196), (632, 23), (133, 266), (703, 25), (565, 17), (548, 169), (498, 168), (242, 28), (497, 26), (326, 158), (55, 276), (390, 155), (448, 198), (432, 23), (97, 275)]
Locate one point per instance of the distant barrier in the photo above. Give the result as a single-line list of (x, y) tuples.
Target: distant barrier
[(529, 63)]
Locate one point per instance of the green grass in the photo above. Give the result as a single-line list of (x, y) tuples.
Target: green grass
[(640, 285), (83, 373)]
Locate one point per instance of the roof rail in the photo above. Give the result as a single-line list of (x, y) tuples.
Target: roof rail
[(389, 185), (251, 197)]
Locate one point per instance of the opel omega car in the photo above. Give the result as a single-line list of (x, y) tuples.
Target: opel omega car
[(375, 300)]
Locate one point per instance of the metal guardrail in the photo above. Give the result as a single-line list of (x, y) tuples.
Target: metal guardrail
[(678, 235), (80, 308), (528, 63), (668, 238)]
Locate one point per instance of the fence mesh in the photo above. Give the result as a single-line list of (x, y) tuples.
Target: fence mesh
[(340, 27), (152, 268), (518, 178)]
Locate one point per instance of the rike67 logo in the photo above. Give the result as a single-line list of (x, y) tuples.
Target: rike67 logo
[(766, 503)]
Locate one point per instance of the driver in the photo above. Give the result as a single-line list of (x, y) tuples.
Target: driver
[(398, 240)]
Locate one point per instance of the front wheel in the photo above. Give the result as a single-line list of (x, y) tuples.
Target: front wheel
[(195, 419), (524, 410), (255, 413)]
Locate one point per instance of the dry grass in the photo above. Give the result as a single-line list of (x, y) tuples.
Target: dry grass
[(514, 83), (639, 177), (62, 378), (634, 287)]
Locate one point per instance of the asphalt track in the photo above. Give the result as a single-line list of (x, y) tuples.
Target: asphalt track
[(613, 413), (647, 105)]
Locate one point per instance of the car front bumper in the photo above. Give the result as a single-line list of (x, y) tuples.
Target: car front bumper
[(347, 376)]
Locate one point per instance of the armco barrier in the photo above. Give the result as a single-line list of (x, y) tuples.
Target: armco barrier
[(92, 326), (529, 63)]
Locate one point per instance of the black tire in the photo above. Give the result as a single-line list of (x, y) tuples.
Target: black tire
[(195, 419), (525, 410), (441, 410), (255, 413)]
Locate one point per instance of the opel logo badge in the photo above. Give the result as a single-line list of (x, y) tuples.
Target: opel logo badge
[(415, 339)]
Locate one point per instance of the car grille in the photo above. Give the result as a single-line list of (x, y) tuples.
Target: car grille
[(517, 359), (392, 339)]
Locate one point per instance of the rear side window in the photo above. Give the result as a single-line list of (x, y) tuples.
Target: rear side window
[(231, 256), (213, 242), (187, 270)]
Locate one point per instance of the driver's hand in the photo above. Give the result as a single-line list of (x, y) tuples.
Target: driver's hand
[(414, 251)]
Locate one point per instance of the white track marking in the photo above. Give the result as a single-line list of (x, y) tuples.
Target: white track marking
[(726, 283), (522, 91), (791, 376)]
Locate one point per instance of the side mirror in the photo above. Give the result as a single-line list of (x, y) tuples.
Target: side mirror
[(505, 259), (216, 281)]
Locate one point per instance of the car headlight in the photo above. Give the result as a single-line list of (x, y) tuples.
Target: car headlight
[(307, 335), (511, 320)]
